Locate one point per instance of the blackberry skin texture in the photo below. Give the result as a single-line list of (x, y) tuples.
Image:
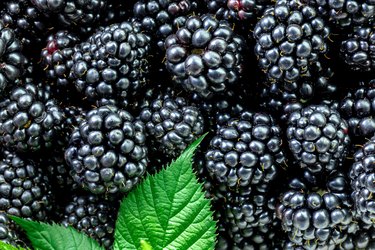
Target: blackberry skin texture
[(364, 239), (362, 176), (345, 14), (12, 59), (56, 56), (357, 108), (358, 50), (93, 216), (112, 64), (8, 231), (291, 41), (27, 122), (75, 14), (318, 138), (205, 56), (25, 190), (172, 123), (161, 18), (237, 10), (107, 152), (317, 218)]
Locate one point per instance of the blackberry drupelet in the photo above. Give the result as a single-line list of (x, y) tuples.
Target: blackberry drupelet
[(8, 231), (93, 216), (107, 152), (291, 41), (161, 18), (358, 50), (318, 138), (205, 56), (364, 239), (362, 176), (357, 108), (27, 122), (113, 63), (317, 217), (172, 123)]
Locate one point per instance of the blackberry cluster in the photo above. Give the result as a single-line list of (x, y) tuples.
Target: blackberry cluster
[(204, 56), (358, 50), (107, 152), (7, 230), (318, 138)]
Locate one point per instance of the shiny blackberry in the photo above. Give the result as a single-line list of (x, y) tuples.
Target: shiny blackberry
[(362, 177), (291, 41), (205, 56), (113, 63), (172, 123), (364, 239), (318, 138), (161, 18), (317, 217), (8, 231), (357, 107), (12, 59), (358, 50), (107, 152), (27, 122), (93, 216)]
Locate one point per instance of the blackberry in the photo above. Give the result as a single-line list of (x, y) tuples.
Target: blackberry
[(317, 218), (8, 231), (25, 190), (204, 55), (161, 18), (27, 122), (362, 177), (363, 239), (112, 63), (358, 50), (172, 123), (318, 138), (91, 215), (107, 152), (357, 108), (291, 41)]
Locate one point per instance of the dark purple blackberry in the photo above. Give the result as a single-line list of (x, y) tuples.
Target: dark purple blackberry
[(112, 64), (27, 122), (75, 14), (317, 218), (291, 41), (93, 216), (318, 138), (172, 123), (8, 231), (12, 60), (107, 152), (346, 13), (358, 50), (56, 56), (238, 10), (357, 108), (116, 11), (204, 56), (364, 239), (161, 18), (362, 175)]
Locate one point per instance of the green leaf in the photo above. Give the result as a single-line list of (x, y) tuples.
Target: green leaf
[(55, 237), (145, 245), (5, 246), (167, 210)]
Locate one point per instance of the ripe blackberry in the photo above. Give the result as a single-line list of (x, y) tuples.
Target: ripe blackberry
[(317, 218), (358, 50), (362, 177), (27, 122), (364, 239), (112, 63), (8, 231), (357, 108), (93, 216), (107, 152), (172, 123), (318, 138), (24, 190), (56, 56), (161, 18), (204, 55), (291, 41)]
